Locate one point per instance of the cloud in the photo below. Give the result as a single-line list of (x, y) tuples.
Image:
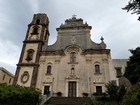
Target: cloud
[(119, 28), (8, 67), (9, 55)]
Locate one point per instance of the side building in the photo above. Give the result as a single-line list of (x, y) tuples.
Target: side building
[(6, 76), (73, 65)]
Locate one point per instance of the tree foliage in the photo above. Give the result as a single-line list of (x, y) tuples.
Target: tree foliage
[(134, 6), (133, 96), (115, 92), (17, 95), (132, 71)]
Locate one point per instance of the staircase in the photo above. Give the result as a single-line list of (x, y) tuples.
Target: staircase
[(67, 101)]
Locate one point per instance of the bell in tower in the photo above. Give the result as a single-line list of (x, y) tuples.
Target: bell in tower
[(39, 27)]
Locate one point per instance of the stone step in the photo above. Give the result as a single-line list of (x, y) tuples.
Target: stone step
[(67, 101)]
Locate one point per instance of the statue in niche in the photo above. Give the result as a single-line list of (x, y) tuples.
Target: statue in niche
[(72, 71)]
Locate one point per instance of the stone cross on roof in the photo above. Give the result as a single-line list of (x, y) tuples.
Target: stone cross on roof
[(102, 39), (74, 16)]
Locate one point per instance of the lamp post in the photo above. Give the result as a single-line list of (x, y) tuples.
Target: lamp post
[(52, 85), (89, 86)]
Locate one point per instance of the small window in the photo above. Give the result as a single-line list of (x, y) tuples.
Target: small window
[(118, 71), (3, 77), (72, 57), (10, 80), (30, 55), (97, 68), (49, 69), (37, 21)]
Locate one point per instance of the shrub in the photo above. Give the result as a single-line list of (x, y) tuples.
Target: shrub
[(18, 95)]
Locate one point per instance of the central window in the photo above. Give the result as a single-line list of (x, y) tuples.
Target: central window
[(72, 57), (97, 68), (49, 69)]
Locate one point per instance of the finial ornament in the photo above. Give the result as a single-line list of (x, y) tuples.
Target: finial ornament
[(74, 16), (102, 39)]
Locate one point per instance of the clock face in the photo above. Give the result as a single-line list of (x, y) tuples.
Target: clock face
[(25, 77)]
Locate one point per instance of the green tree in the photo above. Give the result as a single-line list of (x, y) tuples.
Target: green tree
[(132, 71), (17, 95), (133, 96), (134, 6), (115, 92)]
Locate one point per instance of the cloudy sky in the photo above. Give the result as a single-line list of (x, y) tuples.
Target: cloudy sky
[(120, 29)]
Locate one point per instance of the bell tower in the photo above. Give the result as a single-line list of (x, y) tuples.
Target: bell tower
[(37, 35)]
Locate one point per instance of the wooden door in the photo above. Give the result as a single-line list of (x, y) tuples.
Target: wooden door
[(72, 89)]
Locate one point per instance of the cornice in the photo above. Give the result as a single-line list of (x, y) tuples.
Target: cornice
[(32, 41), (60, 52), (28, 64), (96, 51)]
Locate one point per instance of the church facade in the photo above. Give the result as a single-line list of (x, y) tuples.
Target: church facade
[(73, 65)]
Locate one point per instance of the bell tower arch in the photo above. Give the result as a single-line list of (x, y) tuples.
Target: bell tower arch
[(27, 67)]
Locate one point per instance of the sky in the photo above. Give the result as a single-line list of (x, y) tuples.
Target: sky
[(120, 29)]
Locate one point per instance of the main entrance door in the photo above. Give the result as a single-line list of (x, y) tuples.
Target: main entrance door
[(72, 89)]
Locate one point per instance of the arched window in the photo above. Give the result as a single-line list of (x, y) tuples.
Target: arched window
[(72, 57), (35, 30), (97, 68), (30, 53), (49, 69)]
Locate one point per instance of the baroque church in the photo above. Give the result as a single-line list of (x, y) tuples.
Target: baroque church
[(72, 66)]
